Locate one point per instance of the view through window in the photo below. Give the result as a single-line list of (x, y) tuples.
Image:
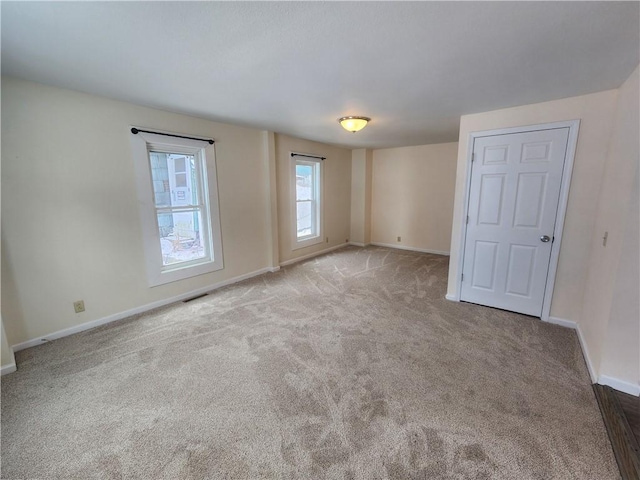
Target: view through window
[(307, 201), (178, 202), (179, 207)]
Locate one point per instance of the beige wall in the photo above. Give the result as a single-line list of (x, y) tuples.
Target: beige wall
[(621, 350), (70, 226), (368, 195), (361, 178), (596, 112), (270, 162), (412, 196), (596, 286), (336, 194), (609, 320), (6, 352)]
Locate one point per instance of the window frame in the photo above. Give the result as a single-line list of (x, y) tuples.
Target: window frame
[(205, 160), (317, 164), (201, 205)]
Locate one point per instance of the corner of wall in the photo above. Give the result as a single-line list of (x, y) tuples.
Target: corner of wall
[(269, 152), (609, 317), (358, 201), (368, 195), (8, 358)]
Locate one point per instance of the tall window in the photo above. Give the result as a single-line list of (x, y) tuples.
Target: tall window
[(178, 199), (177, 191), (307, 175)]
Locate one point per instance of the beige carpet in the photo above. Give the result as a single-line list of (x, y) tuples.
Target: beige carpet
[(347, 366)]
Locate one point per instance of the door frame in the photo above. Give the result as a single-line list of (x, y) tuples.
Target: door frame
[(572, 140)]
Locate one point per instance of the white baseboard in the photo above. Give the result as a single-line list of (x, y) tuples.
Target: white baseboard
[(583, 344), (620, 385), (8, 369), (358, 244), (134, 311), (452, 298), (311, 255), (412, 249), (616, 384), (585, 354), (562, 322)]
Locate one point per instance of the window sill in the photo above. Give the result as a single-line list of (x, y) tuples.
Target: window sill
[(176, 274), (308, 242)]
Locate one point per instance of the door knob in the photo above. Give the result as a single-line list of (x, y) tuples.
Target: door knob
[(545, 238)]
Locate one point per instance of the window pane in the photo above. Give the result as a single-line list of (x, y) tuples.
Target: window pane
[(304, 182), (175, 181), (160, 177), (180, 237), (181, 179), (304, 219), (180, 164)]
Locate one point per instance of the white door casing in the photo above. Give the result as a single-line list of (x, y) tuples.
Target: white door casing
[(513, 198)]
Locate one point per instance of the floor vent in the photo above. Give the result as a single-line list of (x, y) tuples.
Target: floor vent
[(194, 298)]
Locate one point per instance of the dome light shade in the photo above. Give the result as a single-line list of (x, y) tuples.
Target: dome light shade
[(354, 124)]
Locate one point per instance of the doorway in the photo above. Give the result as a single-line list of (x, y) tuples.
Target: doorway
[(516, 199)]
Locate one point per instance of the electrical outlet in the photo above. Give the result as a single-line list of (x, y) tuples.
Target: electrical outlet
[(346, 241), (327, 239), (78, 306), (399, 239)]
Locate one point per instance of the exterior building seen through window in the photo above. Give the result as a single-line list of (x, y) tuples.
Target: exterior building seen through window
[(178, 207), (178, 203)]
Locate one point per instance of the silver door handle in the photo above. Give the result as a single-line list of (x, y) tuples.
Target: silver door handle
[(545, 238)]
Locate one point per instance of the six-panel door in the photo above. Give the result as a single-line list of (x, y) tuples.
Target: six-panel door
[(513, 202)]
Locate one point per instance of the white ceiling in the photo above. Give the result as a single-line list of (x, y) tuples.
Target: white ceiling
[(295, 67)]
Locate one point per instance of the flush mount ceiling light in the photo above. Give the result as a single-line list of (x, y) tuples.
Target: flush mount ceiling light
[(354, 124)]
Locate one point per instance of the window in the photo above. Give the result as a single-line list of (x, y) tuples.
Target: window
[(178, 198), (307, 205)]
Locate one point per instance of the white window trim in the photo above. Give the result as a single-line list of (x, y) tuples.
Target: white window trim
[(157, 274), (318, 238)]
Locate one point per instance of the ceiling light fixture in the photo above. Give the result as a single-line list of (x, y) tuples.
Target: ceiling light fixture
[(354, 124)]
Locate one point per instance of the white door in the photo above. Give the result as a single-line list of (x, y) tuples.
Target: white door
[(186, 222), (179, 179), (513, 202)]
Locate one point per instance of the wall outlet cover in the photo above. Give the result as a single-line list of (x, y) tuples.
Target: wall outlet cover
[(78, 306)]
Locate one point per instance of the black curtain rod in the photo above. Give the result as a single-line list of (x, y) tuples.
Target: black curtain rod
[(309, 156), (135, 131)]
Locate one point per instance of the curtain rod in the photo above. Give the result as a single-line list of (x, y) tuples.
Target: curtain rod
[(135, 131), (309, 156)]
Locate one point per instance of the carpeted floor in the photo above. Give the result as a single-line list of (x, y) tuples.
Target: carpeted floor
[(347, 366)]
